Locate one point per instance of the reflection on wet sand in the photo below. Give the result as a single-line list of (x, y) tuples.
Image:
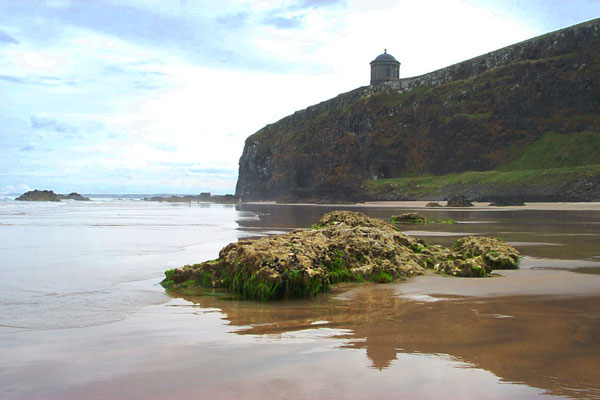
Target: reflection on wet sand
[(541, 341)]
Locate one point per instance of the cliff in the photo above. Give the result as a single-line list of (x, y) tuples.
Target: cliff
[(484, 114)]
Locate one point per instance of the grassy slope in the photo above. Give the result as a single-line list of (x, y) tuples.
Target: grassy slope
[(556, 159)]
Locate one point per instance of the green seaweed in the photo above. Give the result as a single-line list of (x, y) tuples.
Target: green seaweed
[(478, 271), (383, 277)]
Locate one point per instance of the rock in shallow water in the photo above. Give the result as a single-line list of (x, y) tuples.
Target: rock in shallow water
[(496, 253), (343, 246), (408, 218), (459, 201)]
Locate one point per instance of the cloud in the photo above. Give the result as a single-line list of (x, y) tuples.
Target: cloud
[(12, 79), (39, 80), (12, 189), (50, 124), (28, 148), (321, 3), (234, 20), (284, 22), (6, 38)]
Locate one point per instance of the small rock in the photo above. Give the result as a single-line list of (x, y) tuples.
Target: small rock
[(459, 201), (408, 218)]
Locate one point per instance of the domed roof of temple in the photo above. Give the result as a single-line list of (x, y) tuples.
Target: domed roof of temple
[(385, 57)]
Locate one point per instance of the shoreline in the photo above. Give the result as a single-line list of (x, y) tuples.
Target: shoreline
[(478, 206)]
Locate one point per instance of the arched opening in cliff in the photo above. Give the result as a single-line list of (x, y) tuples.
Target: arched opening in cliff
[(384, 172)]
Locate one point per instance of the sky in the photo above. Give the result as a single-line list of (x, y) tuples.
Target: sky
[(158, 96)]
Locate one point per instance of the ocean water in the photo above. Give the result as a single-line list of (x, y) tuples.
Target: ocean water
[(76, 264), (82, 314)]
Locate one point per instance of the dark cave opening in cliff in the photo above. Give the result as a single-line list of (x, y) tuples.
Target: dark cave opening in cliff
[(384, 172)]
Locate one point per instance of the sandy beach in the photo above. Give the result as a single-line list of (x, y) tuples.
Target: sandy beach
[(481, 206)]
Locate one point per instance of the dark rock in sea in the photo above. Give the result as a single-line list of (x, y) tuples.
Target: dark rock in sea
[(408, 218), (225, 199), (459, 201), (73, 196), (433, 204), (49, 195), (342, 246), (172, 199), (202, 197), (39, 195)]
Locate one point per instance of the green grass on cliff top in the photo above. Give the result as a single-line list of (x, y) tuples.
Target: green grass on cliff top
[(556, 150), (432, 183), (552, 160)]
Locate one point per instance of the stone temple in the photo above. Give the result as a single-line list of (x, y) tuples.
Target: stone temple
[(384, 68)]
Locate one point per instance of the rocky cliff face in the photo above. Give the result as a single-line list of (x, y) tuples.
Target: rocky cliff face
[(469, 116)]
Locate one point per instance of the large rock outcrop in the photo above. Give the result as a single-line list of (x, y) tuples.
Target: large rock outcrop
[(49, 195), (39, 195), (472, 116), (343, 246)]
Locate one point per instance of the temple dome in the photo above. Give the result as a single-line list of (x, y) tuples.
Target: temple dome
[(385, 57)]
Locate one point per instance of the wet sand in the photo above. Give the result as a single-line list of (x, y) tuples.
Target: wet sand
[(524, 282), (365, 341), (529, 333)]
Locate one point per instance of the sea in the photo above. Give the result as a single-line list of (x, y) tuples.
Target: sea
[(83, 315)]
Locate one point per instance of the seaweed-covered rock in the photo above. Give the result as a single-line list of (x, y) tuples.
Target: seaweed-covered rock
[(459, 201), (342, 246), (433, 204), (349, 218), (408, 218), (471, 267), (495, 253)]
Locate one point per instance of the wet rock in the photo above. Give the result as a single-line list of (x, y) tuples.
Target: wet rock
[(495, 253), (459, 201), (470, 268), (349, 218), (343, 246), (408, 218)]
